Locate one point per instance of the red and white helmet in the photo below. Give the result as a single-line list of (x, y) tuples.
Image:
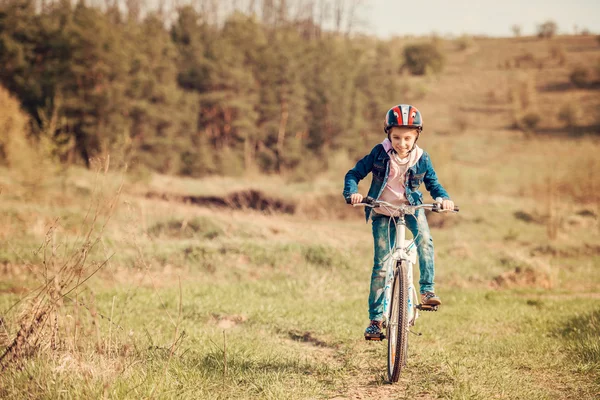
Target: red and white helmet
[(403, 115)]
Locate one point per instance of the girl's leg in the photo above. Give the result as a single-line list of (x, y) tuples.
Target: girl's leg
[(381, 246), (420, 229)]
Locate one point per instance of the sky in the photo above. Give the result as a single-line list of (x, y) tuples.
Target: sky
[(387, 18)]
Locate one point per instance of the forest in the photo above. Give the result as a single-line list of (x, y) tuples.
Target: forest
[(191, 90)]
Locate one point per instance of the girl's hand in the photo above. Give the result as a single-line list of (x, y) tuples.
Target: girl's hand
[(356, 198), (447, 205)]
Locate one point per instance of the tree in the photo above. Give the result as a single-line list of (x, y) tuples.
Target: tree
[(63, 67), (547, 30), (161, 115), (228, 107), (516, 30), (282, 104)]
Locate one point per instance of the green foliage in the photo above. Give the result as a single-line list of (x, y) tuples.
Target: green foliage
[(419, 58), (197, 98), (580, 76), (581, 333), (324, 256)]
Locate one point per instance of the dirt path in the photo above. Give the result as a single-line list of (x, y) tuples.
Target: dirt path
[(367, 380)]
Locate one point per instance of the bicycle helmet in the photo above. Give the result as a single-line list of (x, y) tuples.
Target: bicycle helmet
[(403, 115)]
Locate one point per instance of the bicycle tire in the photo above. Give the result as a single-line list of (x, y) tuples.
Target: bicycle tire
[(397, 332)]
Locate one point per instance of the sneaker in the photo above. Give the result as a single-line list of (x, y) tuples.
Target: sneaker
[(374, 331), (430, 299)]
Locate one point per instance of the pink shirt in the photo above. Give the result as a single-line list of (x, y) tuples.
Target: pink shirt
[(394, 190)]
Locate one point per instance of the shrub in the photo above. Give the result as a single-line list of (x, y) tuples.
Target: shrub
[(461, 122), (558, 53), (523, 94), (491, 97), (423, 57), (525, 60), (547, 29), (464, 42), (201, 227), (530, 121), (579, 76), (569, 114)]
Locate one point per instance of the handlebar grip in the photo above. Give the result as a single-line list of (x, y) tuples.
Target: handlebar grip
[(437, 208), (369, 200)]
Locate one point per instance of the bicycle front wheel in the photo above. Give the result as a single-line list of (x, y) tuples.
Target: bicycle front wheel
[(397, 328)]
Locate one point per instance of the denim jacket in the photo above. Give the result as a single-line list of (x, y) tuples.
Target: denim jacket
[(378, 162)]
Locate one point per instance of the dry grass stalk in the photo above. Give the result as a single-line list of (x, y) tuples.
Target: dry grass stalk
[(176, 340), (224, 357), (38, 322), (554, 217)]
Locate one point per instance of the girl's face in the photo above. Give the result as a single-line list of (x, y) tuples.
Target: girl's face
[(403, 139)]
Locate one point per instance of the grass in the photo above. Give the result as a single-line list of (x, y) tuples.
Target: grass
[(198, 302), (238, 304)]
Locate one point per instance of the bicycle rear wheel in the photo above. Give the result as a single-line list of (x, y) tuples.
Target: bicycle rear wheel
[(397, 332)]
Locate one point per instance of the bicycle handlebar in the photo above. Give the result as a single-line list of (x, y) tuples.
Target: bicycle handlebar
[(405, 209)]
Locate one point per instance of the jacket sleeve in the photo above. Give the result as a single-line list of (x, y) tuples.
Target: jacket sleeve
[(358, 173), (433, 186)]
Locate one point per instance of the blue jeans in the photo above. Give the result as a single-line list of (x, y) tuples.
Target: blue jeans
[(417, 224)]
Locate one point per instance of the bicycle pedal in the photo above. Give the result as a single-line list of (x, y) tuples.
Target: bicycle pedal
[(427, 307), (375, 338)]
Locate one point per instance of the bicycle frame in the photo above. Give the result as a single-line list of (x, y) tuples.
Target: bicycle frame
[(399, 284), (402, 250)]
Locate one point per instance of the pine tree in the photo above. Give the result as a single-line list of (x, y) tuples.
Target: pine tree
[(160, 112)]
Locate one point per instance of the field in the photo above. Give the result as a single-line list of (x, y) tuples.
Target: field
[(125, 285)]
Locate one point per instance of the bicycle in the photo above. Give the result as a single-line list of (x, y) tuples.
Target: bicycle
[(400, 295)]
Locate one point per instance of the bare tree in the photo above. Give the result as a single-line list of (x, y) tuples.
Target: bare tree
[(547, 30), (338, 14), (516, 30), (134, 9), (282, 12), (352, 19), (268, 12), (251, 7), (210, 10)]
